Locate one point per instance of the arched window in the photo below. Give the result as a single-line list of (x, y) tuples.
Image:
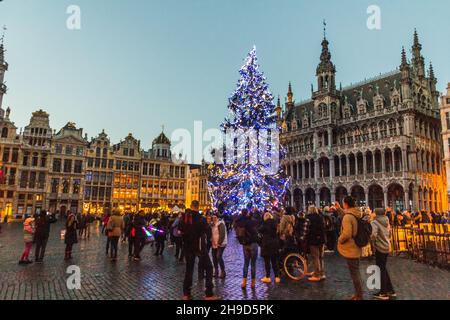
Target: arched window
[(4, 132)]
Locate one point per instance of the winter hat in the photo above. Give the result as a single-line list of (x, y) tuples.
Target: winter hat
[(380, 212)]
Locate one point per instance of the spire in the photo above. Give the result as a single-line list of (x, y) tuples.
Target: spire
[(431, 72), (326, 70), (404, 61), (418, 60), (2, 49), (416, 40), (290, 94)]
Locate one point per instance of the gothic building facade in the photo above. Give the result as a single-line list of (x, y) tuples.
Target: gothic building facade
[(378, 140), (445, 117)]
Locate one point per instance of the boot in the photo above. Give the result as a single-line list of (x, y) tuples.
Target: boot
[(253, 284), (244, 283)]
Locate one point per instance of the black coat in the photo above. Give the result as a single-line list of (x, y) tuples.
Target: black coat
[(71, 236), (42, 224), (316, 230), (250, 225), (138, 224), (195, 232), (270, 243)]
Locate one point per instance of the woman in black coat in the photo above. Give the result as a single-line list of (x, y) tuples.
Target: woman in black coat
[(270, 247), (139, 235), (70, 237)]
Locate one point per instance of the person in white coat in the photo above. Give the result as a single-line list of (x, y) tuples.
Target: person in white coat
[(219, 241)]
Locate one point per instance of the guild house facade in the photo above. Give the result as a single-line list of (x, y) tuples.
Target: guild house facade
[(378, 140), (61, 171)]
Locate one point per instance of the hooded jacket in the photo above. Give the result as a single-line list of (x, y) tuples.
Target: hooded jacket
[(349, 227), (381, 231)]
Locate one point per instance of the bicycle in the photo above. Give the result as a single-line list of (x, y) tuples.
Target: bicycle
[(292, 263)]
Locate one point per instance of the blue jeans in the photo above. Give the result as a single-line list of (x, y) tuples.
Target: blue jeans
[(250, 255)]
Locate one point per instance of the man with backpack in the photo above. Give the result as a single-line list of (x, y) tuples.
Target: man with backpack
[(347, 242), (247, 235), (194, 229)]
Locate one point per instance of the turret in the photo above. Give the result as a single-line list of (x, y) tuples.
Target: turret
[(326, 71)]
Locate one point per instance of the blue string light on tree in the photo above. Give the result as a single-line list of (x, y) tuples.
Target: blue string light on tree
[(250, 178)]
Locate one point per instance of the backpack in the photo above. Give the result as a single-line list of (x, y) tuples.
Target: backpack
[(363, 233), (242, 236)]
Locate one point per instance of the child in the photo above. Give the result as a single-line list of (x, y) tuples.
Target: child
[(28, 233)]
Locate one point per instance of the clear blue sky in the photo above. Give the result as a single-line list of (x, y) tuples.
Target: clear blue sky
[(138, 64)]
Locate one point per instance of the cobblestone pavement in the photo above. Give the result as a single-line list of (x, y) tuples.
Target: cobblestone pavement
[(161, 277)]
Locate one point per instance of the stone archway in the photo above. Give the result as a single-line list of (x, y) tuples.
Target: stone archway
[(287, 198), (325, 197), (358, 194), (298, 199), (376, 196), (310, 197), (396, 197), (340, 192)]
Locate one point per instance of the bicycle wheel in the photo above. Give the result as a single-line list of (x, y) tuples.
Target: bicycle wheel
[(295, 266)]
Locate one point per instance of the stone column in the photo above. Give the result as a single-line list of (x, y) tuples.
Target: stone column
[(405, 164), (364, 164), (385, 198), (315, 141), (392, 161), (348, 165), (303, 169), (373, 163), (304, 201), (330, 136), (407, 207), (356, 165), (415, 206), (383, 162), (316, 169), (367, 197), (317, 198), (331, 168)]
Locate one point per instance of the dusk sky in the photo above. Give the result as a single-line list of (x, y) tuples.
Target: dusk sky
[(139, 64)]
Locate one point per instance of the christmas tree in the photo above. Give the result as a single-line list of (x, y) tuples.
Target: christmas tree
[(246, 171)]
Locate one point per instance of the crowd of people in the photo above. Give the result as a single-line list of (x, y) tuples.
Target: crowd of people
[(270, 233)]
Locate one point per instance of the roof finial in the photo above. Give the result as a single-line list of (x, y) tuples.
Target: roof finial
[(324, 29), (162, 126), (2, 38)]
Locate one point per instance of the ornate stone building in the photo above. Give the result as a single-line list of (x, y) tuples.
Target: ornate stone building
[(127, 156), (445, 117), (67, 170), (197, 186), (378, 140), (163, 182), (42, 169), (34, 164), (99, 177)]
